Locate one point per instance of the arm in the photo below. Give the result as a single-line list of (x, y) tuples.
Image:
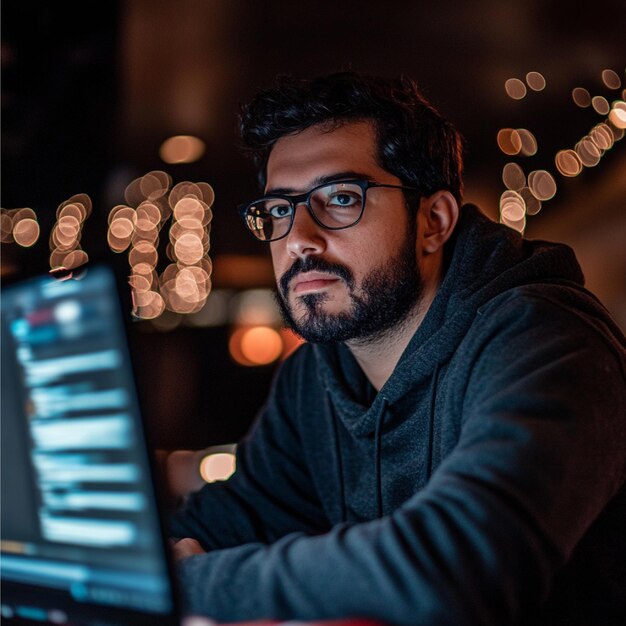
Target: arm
[(541, 452), (270, 494)]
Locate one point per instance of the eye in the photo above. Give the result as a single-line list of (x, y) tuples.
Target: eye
[(344, 198), (280, 210)]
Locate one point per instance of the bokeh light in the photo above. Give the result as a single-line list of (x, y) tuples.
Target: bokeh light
[(184, 285), (581, 97), (617, 116), (255, 307), (600, 105), (588, 152), (256, 345), (513, 176), (568, 162), (26, 232), (542, 185), (6, 226), (509, 141), (532, 203), (182, 149), (529, 143), (65, 236), (611, 79), (217, 466), (515, 88), (536, 81), (512, 206)]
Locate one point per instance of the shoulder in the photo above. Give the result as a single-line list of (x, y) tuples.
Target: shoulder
[(545, 312)]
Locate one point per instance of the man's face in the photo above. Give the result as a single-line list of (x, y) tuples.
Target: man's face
[(352, 284)]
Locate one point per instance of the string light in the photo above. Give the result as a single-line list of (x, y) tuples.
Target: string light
[(525, 195), (185, 284), (536, 81), (65, 237), (581, 97), (515, 88), (611, 79)]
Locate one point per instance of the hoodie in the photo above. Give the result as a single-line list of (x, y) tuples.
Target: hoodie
[(483, 484)]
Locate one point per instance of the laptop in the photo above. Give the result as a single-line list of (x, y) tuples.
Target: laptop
[(81, 535)]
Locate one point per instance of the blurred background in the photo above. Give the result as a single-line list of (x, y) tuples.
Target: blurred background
[(92, 91)]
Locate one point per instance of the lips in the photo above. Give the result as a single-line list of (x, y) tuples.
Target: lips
[(312, 281)]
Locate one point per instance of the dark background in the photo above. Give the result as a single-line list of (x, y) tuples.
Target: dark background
[(90, 91)]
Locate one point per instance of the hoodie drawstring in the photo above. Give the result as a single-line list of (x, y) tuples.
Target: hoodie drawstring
[(342, 489), (377, 459), (431, 420)]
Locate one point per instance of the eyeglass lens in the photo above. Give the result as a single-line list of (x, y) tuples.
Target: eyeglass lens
[(334, 206)]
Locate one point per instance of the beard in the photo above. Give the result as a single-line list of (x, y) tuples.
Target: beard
[(387, 296)]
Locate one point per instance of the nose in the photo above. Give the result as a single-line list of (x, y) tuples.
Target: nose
[(306, 236)]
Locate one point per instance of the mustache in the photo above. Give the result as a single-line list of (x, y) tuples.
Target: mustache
[(315, 264)]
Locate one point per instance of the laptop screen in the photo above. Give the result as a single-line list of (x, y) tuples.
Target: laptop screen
[(81, 539)]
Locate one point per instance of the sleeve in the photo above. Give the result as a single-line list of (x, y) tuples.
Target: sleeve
[(541, 452), (270, 494)]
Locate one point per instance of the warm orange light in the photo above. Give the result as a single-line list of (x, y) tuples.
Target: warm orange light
[(26, 232), (536, 81), (512, 206), (182, 149), (533, 205), (568, 163), (148, 305), (600, 105), (588, 152), (75, 259), (217, 466), (518, 225), (611, 79), (513, 176), (291, 342), (259, 345), (148, 215), (77, 211), (602, 136), (581, 97), (509, 141), (6, 226), (143, 252), (140, 283), (515, 88), (208, 194), (154, 184), (617, 116), (529, 143), (120, 211), (188, 248), (542, 185), (191, 208)]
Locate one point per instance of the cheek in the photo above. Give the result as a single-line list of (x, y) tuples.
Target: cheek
[(279, 259)]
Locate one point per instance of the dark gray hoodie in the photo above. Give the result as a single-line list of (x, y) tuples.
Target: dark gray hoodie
[(483, 484)]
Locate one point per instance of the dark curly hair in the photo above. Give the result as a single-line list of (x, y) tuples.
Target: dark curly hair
[(415, 143)]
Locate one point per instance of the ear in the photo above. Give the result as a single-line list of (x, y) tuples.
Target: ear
[(437, 218)]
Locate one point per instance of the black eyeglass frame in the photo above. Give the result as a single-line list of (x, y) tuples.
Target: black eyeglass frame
[(304, 198)]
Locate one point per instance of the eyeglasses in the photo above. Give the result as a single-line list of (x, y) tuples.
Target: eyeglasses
[(333, 206)]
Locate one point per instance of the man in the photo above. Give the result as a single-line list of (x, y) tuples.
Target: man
[(450, 446)]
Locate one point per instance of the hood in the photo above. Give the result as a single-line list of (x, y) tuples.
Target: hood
[(486, 259)]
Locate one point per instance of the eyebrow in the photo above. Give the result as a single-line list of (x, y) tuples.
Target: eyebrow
[(320, 180)]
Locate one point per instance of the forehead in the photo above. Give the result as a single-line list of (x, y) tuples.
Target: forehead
[(297, 160)]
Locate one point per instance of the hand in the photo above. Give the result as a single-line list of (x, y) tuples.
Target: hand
[(182, 548)]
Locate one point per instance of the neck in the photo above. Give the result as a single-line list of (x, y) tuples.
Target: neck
[(378, 356)]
